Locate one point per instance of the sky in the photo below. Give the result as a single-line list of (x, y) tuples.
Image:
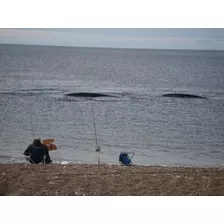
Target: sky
[(146, 38)]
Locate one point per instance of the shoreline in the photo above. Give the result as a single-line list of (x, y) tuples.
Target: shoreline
[(112, 180)]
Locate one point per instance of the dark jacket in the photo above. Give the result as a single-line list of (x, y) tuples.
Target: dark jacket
[(38, 154)]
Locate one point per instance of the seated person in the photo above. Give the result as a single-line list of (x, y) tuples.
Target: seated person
[(38, 153)]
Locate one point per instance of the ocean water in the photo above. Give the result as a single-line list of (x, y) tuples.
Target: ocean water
[(34, 81)]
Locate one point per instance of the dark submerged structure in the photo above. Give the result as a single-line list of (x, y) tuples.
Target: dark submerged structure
[(182, 95), (88, 94)]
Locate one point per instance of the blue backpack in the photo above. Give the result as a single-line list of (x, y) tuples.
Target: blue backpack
[(124, 159)]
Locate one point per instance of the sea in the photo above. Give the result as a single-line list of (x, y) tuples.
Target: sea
[(136, 118)]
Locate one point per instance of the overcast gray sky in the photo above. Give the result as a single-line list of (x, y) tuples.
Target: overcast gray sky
[(206, 39)]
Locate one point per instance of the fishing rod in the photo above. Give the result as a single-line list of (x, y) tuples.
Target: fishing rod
[(31, 100), (31, 123), (97, 146)]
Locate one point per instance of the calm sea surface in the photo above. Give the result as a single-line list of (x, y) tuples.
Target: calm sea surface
[(159, 130)]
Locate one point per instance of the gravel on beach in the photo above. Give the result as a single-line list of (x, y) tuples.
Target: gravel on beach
[(111, 180)]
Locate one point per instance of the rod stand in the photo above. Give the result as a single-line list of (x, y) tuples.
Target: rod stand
[(98, 154)]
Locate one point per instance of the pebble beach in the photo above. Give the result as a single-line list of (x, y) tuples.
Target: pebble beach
[(109, 180)]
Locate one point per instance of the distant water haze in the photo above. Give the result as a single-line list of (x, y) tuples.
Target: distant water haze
[(35, 81), (152, 38)]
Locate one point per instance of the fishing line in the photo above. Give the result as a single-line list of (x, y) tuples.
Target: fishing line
[(94, 124), (31, 123), (31, 101), (97, 146)]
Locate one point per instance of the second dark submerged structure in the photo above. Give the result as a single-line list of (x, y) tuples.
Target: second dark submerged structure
[(182, 95)]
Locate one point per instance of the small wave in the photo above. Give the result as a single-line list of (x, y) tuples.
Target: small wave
[(9, 159), (29, 92)]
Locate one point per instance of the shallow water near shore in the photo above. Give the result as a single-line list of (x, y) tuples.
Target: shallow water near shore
[(34, 82)]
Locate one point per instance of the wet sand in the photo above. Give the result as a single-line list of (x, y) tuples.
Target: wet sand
[(82, 179)]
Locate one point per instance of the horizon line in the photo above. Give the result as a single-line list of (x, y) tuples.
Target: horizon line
[(113, 48)]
